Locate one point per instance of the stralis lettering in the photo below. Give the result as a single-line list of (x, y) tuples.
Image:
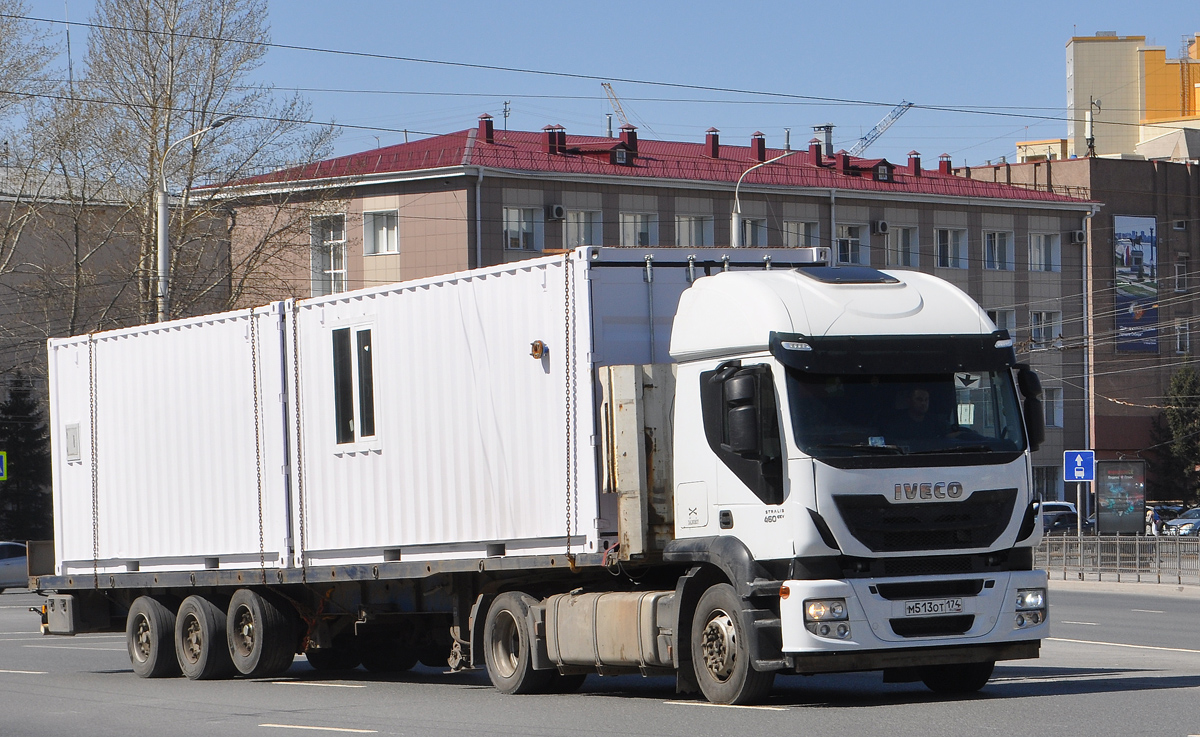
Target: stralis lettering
[(940, 490)]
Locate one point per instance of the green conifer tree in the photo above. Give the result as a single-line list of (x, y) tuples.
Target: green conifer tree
[(25, 503)]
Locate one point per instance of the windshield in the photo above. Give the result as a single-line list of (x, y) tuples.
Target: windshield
[(1190, 514), (839, 415)]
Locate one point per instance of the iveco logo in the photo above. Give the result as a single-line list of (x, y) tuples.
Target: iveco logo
[(940, 490)]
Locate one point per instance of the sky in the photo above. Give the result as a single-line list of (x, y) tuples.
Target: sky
[(982, 75)]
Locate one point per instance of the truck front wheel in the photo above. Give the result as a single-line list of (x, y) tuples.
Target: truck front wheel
[(961, 678), (261, 636), (200, 642), (149, 634), (721, 651), (506, 646)]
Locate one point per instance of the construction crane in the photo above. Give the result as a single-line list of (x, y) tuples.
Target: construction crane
[(878, 130), (616, 104)]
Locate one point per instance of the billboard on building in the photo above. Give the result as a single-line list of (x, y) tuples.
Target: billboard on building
[(1135, 262), (1120, 496)]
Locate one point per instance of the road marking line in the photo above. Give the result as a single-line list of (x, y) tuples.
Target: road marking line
[(1147, 611), (77, 647), (1088, 624), (726, 706), (317, 683), (1122, 644), (321, 729), (27, 672)]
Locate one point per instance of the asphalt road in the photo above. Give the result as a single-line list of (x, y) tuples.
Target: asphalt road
[(1124, 659)]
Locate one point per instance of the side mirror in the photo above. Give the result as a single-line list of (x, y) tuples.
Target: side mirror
[(1035, 414), (743, 431)]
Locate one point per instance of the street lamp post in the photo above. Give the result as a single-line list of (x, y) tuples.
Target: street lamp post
[(735, 221), (164, 218)]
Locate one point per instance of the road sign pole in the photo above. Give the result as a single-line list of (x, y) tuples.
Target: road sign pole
[(1079, 508)]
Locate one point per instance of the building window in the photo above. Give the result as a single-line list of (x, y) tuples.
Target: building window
[(694, 230), (379, 233), (902, 247), (1044, 252), (952, 249), (1047, 483), (1181, 274), (328, 255), (521, 229), (1183, 336), (583, 228), (639, 229), (754, 232), (1054, 407), (997, 251), (849, 245), (1004, 319), (801, 235), (353, 385), (1045, 330)]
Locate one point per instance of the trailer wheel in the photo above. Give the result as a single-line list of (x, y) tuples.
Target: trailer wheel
[(387, 656), (506, 646), (961, 678), (200, 642), (149, 632), (721, 653), (261, 636), (333, 659)]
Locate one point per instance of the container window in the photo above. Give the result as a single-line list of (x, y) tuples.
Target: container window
[(353, 379), (366, 386)]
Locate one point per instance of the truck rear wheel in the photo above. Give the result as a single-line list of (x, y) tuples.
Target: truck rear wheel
[(149, 633), (261, 636), (958, 679), (721, 652), (200, 642), (506, 646)]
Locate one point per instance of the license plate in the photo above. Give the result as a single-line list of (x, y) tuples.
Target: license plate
[(927, 607)]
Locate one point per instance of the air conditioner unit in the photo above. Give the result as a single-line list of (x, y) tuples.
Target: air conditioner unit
[(1180, 225), (556, 212), (1079, 236), (879, 227)]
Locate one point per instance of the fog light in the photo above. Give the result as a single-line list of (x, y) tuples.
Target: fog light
[(843, 631)]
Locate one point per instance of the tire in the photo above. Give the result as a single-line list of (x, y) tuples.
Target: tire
[(962, 678), (721, 651), (260, 633), (434, 650), (387, 656), (506, 646), (149, 634), (201, 646), (333, 659)]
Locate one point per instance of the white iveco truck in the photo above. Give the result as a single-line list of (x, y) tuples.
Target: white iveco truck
[(720, 465)]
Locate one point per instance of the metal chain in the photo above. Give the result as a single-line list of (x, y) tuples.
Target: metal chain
[(299, 446), (95, 463), (262, 550), (569, 403)]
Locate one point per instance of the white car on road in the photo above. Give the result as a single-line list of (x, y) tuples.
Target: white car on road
[(13, 568)]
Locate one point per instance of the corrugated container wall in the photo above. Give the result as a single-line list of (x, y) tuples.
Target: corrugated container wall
[(176, 464)]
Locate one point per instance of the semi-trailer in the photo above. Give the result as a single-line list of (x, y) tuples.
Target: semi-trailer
[(714, 464)]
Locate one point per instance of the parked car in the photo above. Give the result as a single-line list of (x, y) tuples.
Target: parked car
[(1051, 507), (1064, 523), (1187, 523), (13, 569)]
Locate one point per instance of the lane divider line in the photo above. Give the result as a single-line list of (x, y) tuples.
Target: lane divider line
[(321, 729), (27, 672), (318, 683), (1122, 644), (726, 706)]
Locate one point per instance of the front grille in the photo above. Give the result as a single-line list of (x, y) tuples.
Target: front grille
[(932, 626), (885, 527), (929, 589)]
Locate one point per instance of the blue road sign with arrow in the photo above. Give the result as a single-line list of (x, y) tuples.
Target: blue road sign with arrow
[(1079, 465)]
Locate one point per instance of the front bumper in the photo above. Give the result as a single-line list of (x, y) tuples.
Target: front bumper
[(883, 635)]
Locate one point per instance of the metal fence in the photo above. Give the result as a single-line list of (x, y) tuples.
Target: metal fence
[(1162, 559)]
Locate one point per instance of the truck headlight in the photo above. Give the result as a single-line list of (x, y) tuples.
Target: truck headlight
[(827, 618), (1031, 607)]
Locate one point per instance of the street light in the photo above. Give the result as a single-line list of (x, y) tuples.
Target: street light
[(164, 246), (735, 221)]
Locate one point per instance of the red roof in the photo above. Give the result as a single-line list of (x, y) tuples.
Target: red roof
[(525, 151)]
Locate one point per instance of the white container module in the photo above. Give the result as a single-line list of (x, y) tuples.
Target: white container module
[(161, 437)]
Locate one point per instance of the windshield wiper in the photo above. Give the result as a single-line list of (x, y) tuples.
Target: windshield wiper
[(879, 449), (955, 449)]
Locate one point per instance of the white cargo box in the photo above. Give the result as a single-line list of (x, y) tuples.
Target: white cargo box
[(425, 428)]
